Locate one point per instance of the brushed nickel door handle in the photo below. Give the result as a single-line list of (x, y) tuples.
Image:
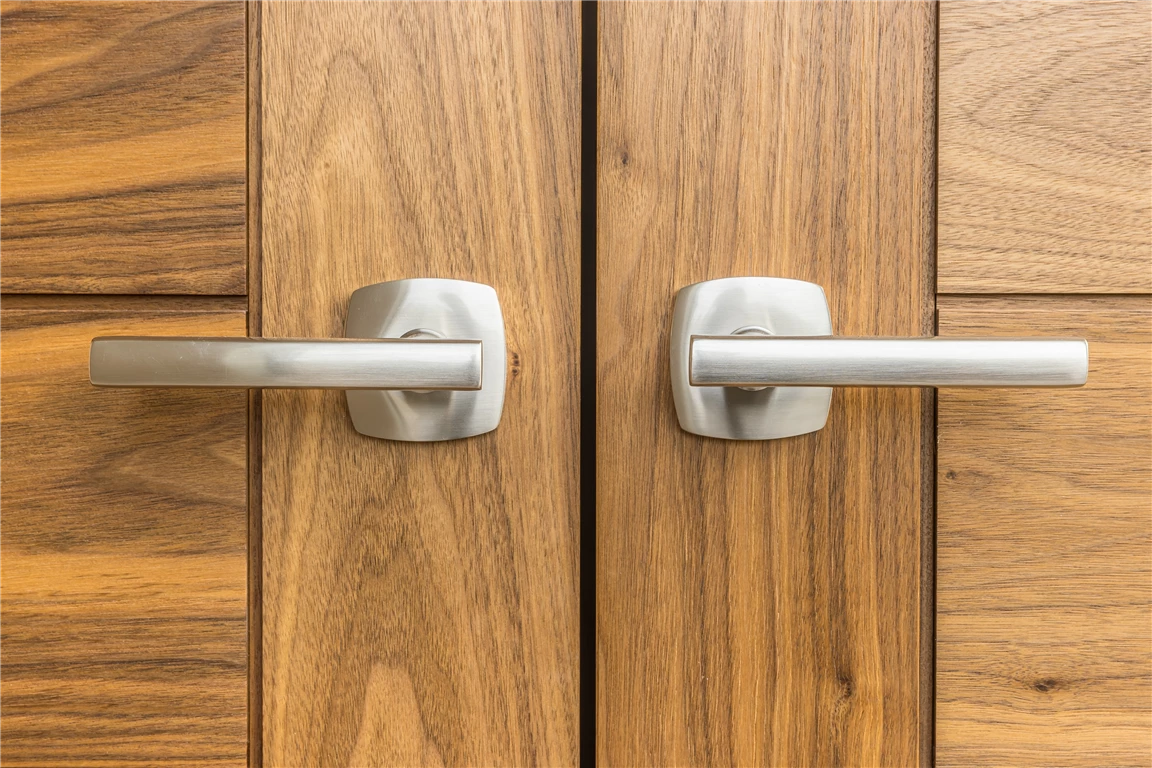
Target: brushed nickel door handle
[(176, 361), (796, 361), (753, 358), (423, 360)]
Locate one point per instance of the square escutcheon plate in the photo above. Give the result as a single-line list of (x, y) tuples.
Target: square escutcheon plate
[(429, 308), (733, 305)]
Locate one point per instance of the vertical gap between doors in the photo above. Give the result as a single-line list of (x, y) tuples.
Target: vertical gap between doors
[(928, 443), (588, 123), (255, 524)]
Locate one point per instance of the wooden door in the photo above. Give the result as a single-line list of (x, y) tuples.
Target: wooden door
[(221, 577), (961, 579), (207, 578), (759, 603), (419, 600)]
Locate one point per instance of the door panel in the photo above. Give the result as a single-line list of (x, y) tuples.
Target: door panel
[(1044, 650), (1045, 147), (759, 603), (420, 600), (124, 549), (1044, 637), (124, 147)]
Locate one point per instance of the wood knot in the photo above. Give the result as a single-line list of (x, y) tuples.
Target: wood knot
[(1046, 684), (514, 359)]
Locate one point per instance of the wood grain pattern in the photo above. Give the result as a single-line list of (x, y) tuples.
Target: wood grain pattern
[(123, 552), (123, 126), (758, 602), (1045, 176), (255, 408), (1044, 644), (420, 600)]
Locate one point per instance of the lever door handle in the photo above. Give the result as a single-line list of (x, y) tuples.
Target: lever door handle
[(754, 358), (424, 359), (773, 361), (416, 364)]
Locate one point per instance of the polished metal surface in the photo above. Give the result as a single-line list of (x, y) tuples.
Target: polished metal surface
[(767, 305), (126, 361), (747, 361), (424, 360), (753, 358), (455, 309)]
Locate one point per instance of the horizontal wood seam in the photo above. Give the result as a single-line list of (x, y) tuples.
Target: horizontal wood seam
[(1134, 295), (73, 302)]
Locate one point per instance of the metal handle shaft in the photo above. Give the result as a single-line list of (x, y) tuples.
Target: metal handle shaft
[(826, 361), (413, 364)]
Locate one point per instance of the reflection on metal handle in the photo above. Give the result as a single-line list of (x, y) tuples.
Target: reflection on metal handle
[(405, 364), (755, 358), (759, 361)]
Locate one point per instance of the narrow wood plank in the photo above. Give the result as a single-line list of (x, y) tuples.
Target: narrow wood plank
[(123, 125), (758, 602), (1044, 630), (1045, 147), (122, 553), (420, 600)]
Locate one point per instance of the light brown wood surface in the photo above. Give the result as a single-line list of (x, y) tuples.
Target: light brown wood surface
[(1044, 645), (759, 602), (124, 552), (420, 599), (1045, 159), (123, 131)]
